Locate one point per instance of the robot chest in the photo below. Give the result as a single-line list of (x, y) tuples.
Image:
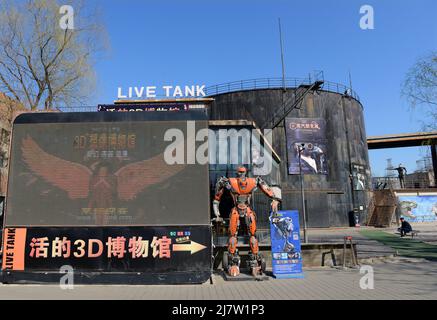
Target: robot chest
[(242, 187)]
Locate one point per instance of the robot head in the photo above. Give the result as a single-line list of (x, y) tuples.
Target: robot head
[(306, 148), (289, 224), (241, 172)]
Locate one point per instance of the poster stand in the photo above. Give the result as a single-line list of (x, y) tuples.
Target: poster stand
[(286, 245)]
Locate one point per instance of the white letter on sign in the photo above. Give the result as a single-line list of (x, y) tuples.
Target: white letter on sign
[(200, 91)]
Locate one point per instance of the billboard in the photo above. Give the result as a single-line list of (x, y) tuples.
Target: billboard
[(102, 174), (418, 208), (97, 192), (134, 249), (286, 247), (359, 177), (155, 107), (311, 133)]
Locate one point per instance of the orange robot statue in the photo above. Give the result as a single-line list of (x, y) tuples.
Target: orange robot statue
[(241, 189)]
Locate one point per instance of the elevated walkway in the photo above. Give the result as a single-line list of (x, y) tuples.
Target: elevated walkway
[(418, 139)]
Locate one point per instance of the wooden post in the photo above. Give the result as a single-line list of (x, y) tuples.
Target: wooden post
[(434, 161)]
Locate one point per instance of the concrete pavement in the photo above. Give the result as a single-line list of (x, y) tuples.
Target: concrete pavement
[(395, 278), (366, 248)]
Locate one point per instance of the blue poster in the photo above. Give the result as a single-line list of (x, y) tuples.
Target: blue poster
[(286, 249)]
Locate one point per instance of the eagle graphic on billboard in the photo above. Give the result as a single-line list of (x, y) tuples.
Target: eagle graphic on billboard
[(96, 183)]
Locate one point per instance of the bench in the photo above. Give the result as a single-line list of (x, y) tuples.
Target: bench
[(413, 233)]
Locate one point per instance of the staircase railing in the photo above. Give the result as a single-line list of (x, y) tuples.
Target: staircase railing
[(291, 103)]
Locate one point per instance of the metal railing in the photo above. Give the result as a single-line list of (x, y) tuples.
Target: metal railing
[(276, 83), (410, 182), (251, 84)]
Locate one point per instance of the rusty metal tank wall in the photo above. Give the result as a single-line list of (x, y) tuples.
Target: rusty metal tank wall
[(330, 199)]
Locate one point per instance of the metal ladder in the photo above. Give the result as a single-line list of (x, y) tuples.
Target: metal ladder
[(291, 103)]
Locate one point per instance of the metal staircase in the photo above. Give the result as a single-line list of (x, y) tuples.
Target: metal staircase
[(291, 103)]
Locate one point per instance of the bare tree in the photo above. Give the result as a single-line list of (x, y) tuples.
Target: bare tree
[(42, 64), (420, 87)]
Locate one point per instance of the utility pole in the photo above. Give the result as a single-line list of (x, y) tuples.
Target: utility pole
[(302, 192), (350, 82), (282, 56)]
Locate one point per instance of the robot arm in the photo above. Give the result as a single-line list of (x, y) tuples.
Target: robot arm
[(219, 190), (273, 193)]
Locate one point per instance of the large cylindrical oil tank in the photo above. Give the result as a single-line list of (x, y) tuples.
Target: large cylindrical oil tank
[(331, 198)]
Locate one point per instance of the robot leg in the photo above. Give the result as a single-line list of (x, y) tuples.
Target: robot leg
[(234, 223), (231, 262), (251, 226), (256, 261)]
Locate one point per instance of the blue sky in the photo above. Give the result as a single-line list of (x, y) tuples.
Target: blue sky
[(210, 42)]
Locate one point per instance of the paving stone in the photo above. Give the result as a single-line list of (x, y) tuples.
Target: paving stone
[(396, 278), (402, 280)]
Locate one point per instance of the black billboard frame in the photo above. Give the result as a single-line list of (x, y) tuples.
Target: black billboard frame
[(113, 278)]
